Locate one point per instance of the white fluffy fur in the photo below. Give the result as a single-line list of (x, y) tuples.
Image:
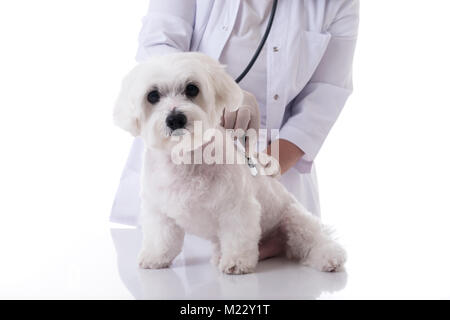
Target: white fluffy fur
[(222, 203)]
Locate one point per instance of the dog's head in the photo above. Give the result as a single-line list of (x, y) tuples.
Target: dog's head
[(167, 94)]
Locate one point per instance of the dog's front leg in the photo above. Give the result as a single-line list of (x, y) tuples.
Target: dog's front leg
[(162, 241), (239, 235)]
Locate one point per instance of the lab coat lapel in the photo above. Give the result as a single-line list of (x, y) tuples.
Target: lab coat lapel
[(221, 23)]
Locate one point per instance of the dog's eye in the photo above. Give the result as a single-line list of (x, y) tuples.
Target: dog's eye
[(191, 90), (153, 97)]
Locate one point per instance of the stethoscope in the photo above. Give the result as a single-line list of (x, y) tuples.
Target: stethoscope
[(251, 162), (261, 44)]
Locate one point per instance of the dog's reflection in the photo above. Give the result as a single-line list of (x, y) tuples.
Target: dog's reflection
[(191, 276)]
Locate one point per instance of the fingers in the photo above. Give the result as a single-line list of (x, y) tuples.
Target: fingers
[(246, 117), (229, 119), (242, 119), (252, 105), (239, 119)]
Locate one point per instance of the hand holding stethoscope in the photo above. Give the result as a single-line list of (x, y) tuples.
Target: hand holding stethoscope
[(244, 118), (247, 116)]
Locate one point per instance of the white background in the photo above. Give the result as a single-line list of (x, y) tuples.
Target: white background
[(383, 172)]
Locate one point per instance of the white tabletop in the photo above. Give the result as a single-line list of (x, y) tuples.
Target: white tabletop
[(98, 263)]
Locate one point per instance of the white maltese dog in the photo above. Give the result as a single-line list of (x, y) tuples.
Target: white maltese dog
[(160, 100)]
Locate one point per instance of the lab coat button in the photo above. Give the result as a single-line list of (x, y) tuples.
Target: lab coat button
[(276, 49), (224, 28), (275, 97)]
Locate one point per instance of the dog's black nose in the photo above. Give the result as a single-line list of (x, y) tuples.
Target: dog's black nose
[(176, 120)]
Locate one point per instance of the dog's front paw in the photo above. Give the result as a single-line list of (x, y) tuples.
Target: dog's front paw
[(239, 265), (147, 260), (329, 256), (215, 258)]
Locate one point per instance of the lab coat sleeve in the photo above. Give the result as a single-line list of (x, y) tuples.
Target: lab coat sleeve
[(316, 108), (167, 27)]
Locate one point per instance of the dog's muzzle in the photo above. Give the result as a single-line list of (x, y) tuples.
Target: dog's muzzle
[(176, 120)]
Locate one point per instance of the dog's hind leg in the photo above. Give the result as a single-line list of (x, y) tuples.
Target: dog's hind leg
[(309, 241)]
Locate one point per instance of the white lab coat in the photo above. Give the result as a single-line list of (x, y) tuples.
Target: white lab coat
[(309, 72)]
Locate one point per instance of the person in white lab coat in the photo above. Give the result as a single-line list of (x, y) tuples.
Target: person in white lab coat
[(301, 79)]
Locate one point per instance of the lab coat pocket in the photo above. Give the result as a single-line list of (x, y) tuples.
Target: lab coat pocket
[(309, 53)]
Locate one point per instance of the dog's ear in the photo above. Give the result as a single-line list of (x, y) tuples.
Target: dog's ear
[(126, 110), (228, 94)]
